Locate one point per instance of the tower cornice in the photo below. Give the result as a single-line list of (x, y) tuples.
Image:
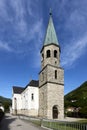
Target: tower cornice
[(52, 66), (49, 45), (51, 83)]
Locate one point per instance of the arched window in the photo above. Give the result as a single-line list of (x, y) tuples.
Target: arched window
[(55, 53), (48, 54), (55, 74)]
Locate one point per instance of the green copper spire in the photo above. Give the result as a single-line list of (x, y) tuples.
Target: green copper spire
[(51, 36)]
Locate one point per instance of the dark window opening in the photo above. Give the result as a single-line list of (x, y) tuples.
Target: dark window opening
[(55, 53), (55, 74), (32, 96), (48, 53), (55, 62)]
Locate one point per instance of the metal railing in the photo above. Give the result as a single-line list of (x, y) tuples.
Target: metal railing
[(55, 124), (63, 125)]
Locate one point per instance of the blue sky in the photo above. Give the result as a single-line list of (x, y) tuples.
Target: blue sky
[(23, 26)]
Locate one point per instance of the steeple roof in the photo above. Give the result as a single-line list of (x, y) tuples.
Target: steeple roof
[(51, 36)]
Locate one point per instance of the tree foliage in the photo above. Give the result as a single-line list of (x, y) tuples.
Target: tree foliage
[(77, 99), (5, 102)]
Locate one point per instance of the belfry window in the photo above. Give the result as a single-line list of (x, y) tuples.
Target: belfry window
[(55, 53), (55, 74), (48, 54)]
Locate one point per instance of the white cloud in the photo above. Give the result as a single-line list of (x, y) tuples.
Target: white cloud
[(73, 51), (36, 34), (76, 21), (25, 24), (30, 10), (36, 29), (18, 8), (20, 24), (75, 33), (5, 46), (3, 11)]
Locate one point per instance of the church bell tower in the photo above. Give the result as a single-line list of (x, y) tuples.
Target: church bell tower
[(51, 77)]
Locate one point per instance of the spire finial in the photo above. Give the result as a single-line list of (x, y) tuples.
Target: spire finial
[(50, 11)]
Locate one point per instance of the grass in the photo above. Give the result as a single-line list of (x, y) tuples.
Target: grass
[(37, 122), (83, 121)]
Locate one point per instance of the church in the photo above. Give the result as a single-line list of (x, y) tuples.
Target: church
[(44, 97)]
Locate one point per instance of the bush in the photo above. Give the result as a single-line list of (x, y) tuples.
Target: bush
[(83, 112)]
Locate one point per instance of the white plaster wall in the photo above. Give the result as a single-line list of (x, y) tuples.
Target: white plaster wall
[(33, 104), (25, 98), (16, 104), (24, 103), (27, 102)]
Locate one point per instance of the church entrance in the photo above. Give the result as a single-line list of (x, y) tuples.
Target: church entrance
[(55, 112)]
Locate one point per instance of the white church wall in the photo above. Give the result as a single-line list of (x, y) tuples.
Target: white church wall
[(30, 101), (25, 98), (16, 103), (34, 100), (33, 97)]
